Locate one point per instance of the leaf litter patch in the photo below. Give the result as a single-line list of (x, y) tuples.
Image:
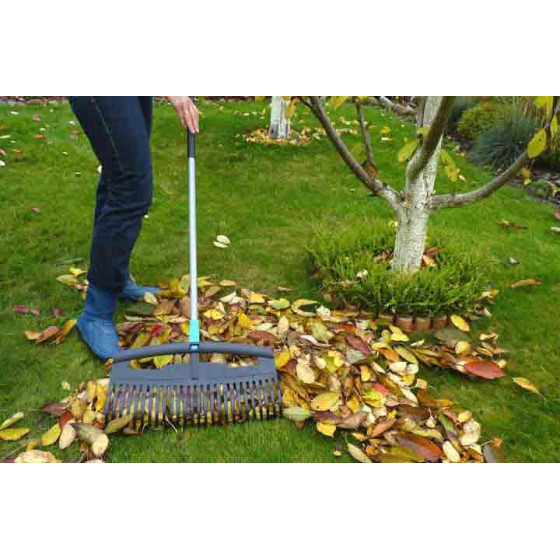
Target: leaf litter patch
[(355, 378)]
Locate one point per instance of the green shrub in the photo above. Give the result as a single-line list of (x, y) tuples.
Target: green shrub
[(479, 119), (500, 146), (460, 105), (453, 286)]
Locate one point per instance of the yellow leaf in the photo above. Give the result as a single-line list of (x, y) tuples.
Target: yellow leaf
[(358, 454), (162, 361), (326, 429), (118, 424), (407, 150), (397, 335), (67, 436), (51, 436), (537, 144), (303, 303), (324, 401), (150, 298), (385, 130), (523, 382), (304, 372), (243, 321), (406, 354), (13, 434), (546, 102), (256, 298), (460, 323), (282, 359), (365, 373), (337, 100), (526, 174), (451, 453), (12, 420), (290, 109), (296, 413), (36, 456), (354, 404), (554, 126), (462, 347), (213, 314)]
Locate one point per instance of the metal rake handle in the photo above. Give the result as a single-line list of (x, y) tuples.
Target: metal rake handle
[(187, 348)]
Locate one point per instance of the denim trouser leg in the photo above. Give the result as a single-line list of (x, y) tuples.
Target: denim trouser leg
[(118, 129)]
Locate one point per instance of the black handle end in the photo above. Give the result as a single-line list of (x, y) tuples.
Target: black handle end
[(191, 145)]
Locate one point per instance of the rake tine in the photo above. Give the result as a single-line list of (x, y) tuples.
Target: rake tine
[(109, 402), (254, 399)]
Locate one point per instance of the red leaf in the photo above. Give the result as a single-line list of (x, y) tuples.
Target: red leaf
[(56, 312), (37, 118), (358, 344), (36, 311), (20, 309), (64, 418), (36, 210), (427, 449), (485, 369), (39, 136)]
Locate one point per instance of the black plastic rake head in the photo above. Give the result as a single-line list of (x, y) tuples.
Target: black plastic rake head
[(197, 393)]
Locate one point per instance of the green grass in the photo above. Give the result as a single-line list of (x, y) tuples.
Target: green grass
[(265, 199)]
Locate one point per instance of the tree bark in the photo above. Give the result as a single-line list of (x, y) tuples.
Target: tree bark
[(414, 214), (279, 125)]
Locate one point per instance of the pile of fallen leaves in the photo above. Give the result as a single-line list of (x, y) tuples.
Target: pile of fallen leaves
[(356, 378)]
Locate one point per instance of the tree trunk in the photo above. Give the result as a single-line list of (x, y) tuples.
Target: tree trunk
[(413, 216), (279, 125)]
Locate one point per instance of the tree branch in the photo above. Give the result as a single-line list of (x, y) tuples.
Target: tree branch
[(365, 131), (397, 108), (456, 200), (373, 184), (432, 138)]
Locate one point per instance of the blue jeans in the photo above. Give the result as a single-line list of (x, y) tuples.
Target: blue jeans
[(118, 129)]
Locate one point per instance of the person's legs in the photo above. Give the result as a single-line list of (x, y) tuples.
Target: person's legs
[(117, 131), (131, 290)]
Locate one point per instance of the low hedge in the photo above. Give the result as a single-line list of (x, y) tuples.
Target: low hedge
[(339, 257)]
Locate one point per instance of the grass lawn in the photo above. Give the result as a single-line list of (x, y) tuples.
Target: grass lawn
[(266, 200)]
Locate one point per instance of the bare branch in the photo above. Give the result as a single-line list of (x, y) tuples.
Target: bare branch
[(432, 138), (456, 200), (365, 131), (373, 184), (397, 108)]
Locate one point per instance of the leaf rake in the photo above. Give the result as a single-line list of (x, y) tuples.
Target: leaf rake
[(197, 393)]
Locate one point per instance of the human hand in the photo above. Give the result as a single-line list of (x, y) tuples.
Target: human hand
[(186, 110)]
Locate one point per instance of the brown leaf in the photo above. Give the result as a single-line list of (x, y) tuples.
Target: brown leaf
[(493, 453), (55, 409), (358, 344), (49, 332), (420, 445), (382, 426)]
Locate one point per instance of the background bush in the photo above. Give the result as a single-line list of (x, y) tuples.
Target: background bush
[(454, 286), (479, 119), (460, 105), (500, 146)]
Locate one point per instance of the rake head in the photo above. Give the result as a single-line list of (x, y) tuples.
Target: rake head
[(197, 393)]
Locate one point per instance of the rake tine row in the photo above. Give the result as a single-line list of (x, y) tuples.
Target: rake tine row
[(198, 404)]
